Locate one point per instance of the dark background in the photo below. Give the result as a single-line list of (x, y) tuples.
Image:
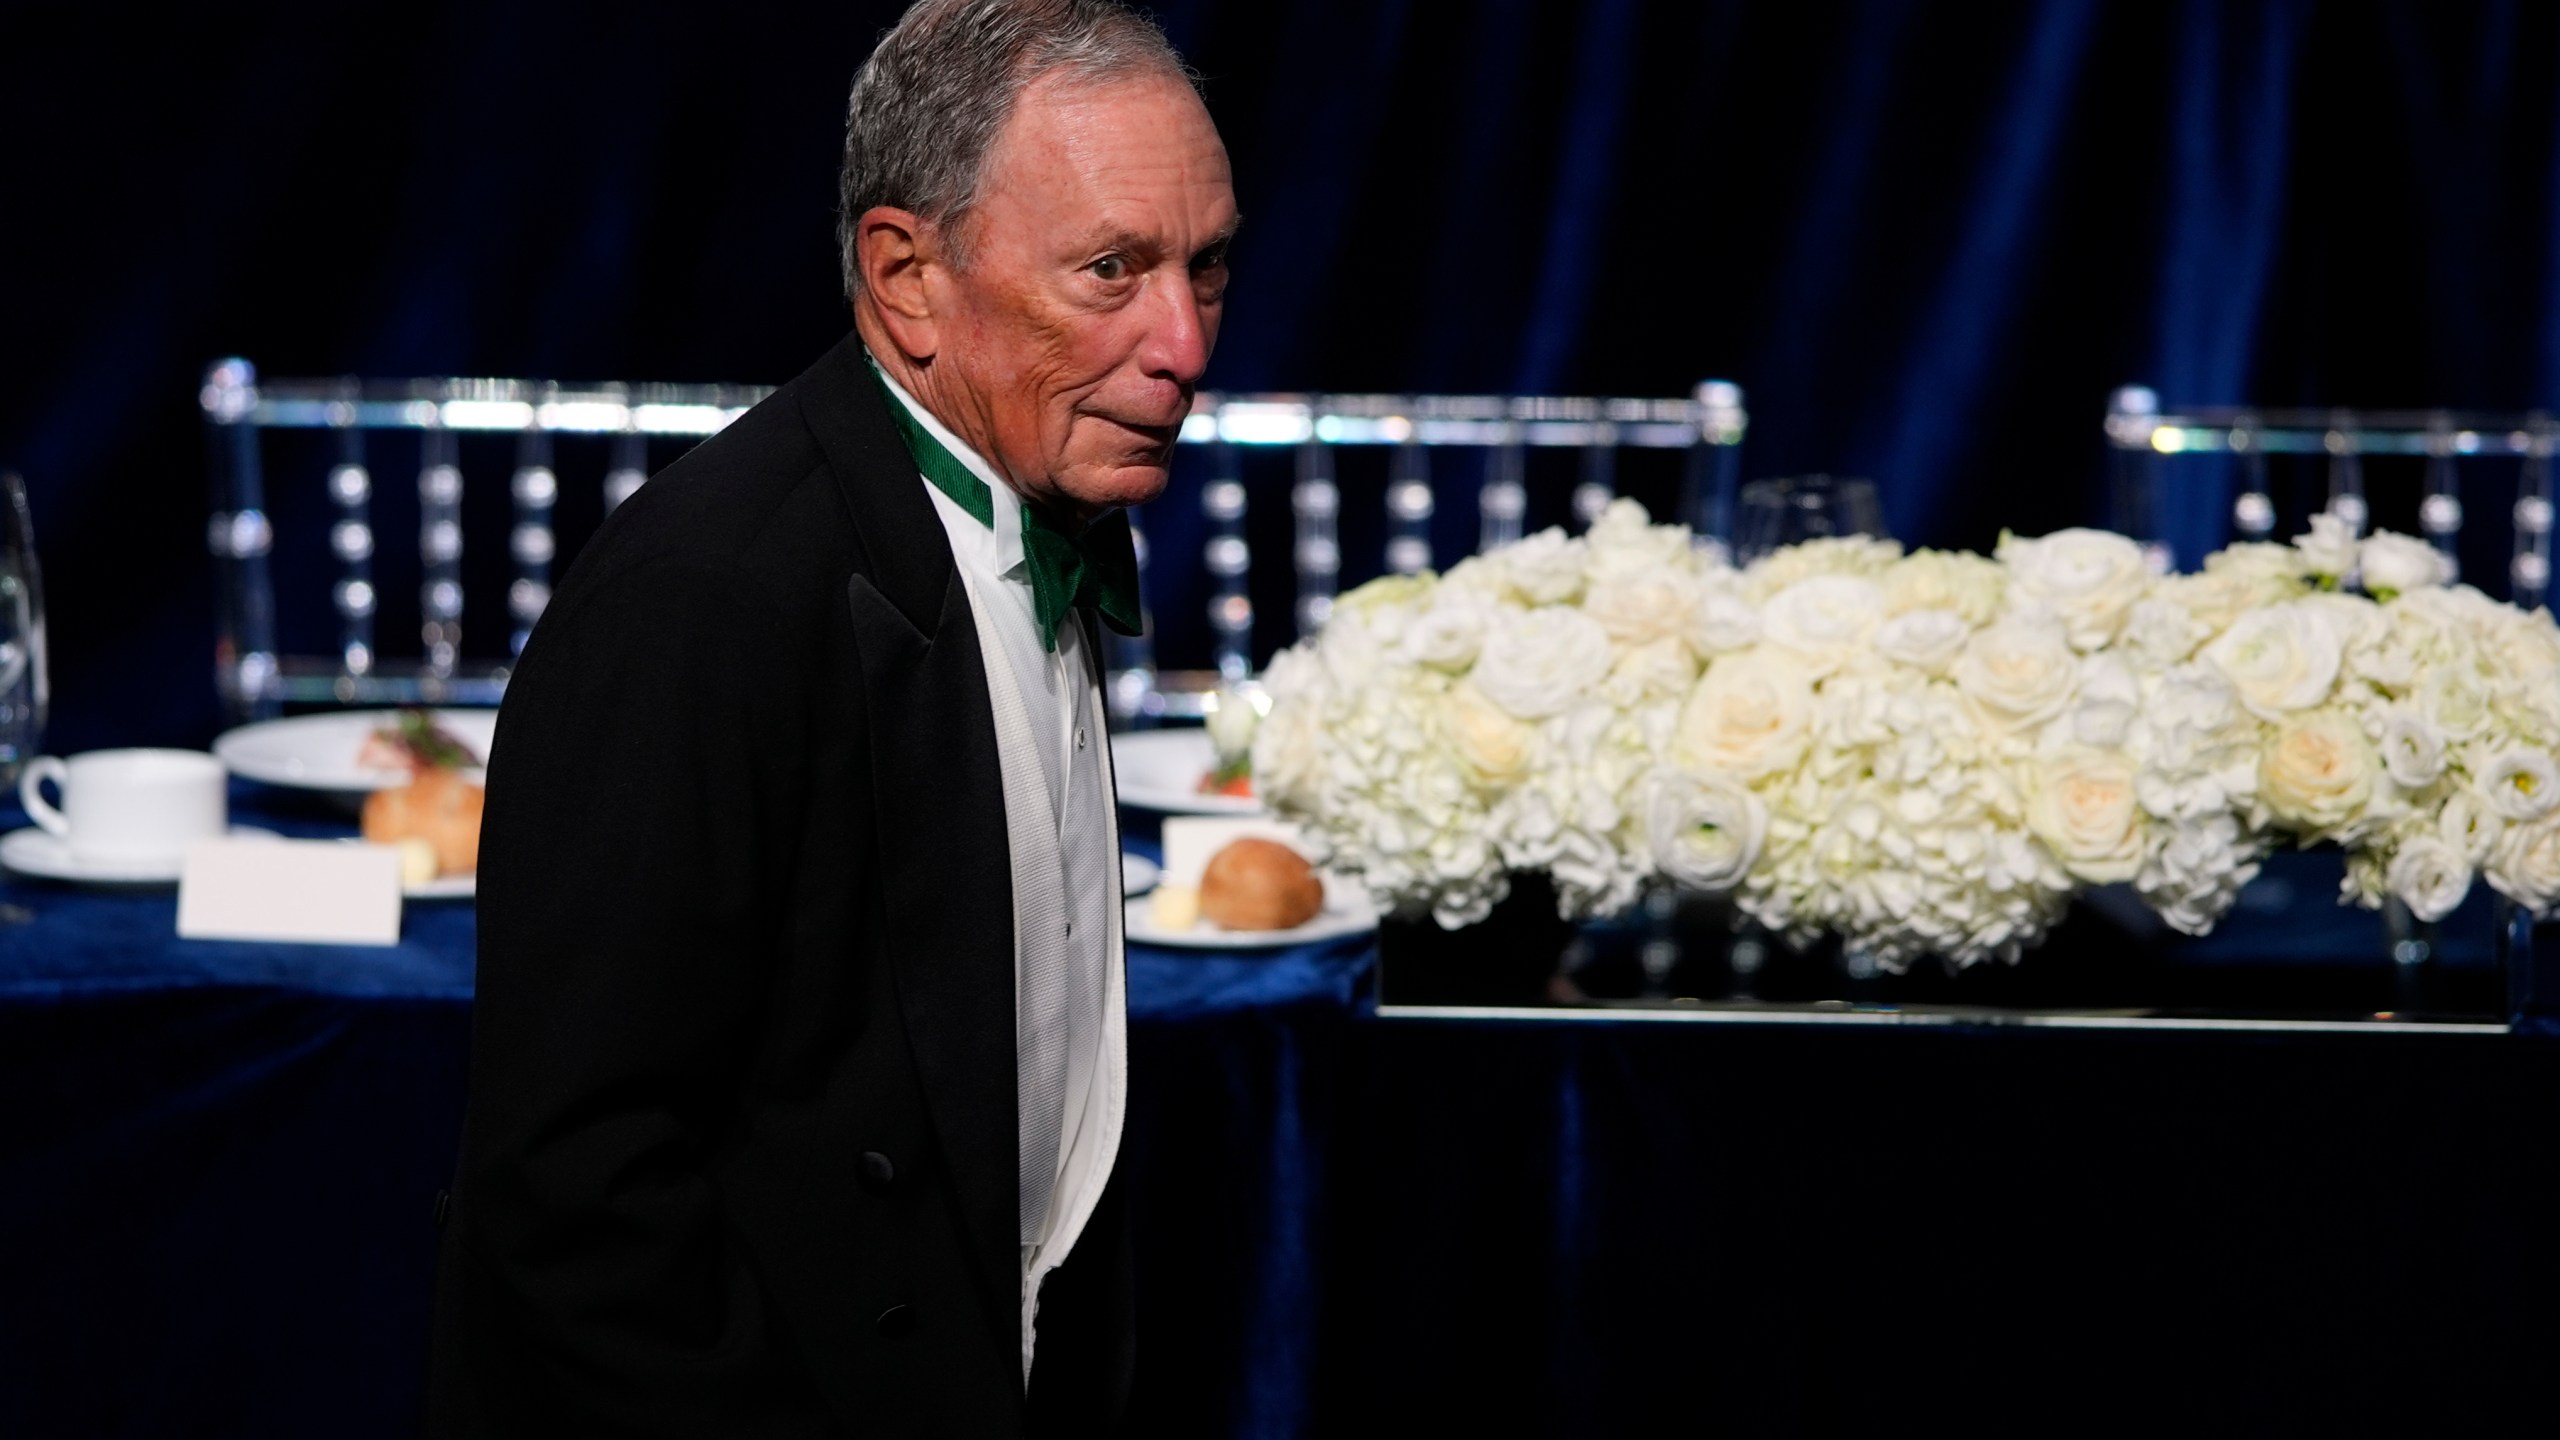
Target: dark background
[(1928, 240)]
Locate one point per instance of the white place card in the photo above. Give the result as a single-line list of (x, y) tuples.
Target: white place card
[(318, 892)]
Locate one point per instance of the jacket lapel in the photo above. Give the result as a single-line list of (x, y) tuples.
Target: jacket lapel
[(946, 880)]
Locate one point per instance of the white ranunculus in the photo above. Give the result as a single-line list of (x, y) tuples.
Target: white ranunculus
[(2412, 749), (1706, 830), (2469, 825), (1639, 606), (1656, 670), (1539, 663), (2520, 782), (2429, 876), (2280, 659), (1447, 634), (2164, 629), (1970, 585), (1926, 640), (2395, 564), (2017, 672), (1625, 541), (1824, 619), (1751, 716), (2089, 579), (2526, 865), (2081, 805), (2328, 549), (1721, 622), (2455, 700), (2317, 771), (1544, 569)]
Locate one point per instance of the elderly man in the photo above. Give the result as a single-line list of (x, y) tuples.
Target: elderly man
[(798, 1068)]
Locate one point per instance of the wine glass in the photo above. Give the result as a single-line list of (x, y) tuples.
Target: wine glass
[(1774, 514), (24, 692)]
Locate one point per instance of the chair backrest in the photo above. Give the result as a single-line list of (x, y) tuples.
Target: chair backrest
[(2452, 447), (547, 431)]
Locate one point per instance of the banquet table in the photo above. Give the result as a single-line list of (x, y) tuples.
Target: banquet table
[(218, 1163)]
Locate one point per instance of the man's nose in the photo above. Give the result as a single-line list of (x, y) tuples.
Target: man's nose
[(1177, 345)]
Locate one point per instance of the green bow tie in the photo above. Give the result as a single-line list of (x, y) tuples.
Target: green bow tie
[(1098, 568)]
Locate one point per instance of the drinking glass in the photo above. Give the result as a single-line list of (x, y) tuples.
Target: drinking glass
[(1774, 514), (23, 688)]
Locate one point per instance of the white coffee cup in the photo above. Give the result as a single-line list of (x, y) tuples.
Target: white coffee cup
[(128, 805)]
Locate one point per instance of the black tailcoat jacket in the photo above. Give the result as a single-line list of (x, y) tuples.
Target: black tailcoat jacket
[(741, 1147)]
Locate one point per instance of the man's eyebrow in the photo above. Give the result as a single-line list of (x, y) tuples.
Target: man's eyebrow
[(1226, 236)]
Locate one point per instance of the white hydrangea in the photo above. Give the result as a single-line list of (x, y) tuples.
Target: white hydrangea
[(1923, 755)]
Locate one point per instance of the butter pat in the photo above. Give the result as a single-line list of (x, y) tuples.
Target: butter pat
[(1175, 907)]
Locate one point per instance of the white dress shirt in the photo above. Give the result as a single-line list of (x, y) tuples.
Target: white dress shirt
[(1065, 844)]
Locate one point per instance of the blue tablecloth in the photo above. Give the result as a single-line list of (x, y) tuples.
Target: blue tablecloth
[(217, 1163)]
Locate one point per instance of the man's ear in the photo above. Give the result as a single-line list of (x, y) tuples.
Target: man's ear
[(892, 250)]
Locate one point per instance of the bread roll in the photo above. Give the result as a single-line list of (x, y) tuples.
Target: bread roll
[(1260, 885), (438, 807)]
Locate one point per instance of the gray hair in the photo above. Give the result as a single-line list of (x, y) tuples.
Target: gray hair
[(937, 90)]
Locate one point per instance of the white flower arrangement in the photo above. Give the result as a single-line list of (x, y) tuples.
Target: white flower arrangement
[(1925, 753)]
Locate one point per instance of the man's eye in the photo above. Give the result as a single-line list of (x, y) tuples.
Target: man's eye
[(1110, 267)]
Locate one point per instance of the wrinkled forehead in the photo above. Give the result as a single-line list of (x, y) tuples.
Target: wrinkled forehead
[(1122, 153)]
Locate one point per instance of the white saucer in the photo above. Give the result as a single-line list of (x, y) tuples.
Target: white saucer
[(1138, 874), (42, 854)]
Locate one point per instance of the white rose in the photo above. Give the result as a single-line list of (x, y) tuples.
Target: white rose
[(2394, 564), (1926, 640), (1721, 622), (1545, 569), (2082, 807), (1706, 829), (2280, 659), (1637, 606), (2329, 550), (2316, 772), (2520, 782), (2429, 876), (2526, 865), (1750, 717), (1829, 555), (2017, 672), (1447, 635), (2412, 750), (1537, 664), (2089, 579), (1825, 619), (1494, 747)]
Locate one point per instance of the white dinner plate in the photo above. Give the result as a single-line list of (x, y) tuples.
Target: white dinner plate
[(1346, 911), (1138, 874), (1161, 770), (319, 752), (42, 854)]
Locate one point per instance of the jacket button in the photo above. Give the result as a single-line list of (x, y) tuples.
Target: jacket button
[(896, 1321), (874, 1172), (444, 1206)]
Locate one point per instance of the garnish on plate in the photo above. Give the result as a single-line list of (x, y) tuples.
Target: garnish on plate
[(414, 742), (1233, 715)]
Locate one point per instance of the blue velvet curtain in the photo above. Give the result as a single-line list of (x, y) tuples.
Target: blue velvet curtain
[(1927, 239)]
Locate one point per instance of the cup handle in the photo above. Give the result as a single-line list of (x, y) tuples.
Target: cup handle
[(31, 783)]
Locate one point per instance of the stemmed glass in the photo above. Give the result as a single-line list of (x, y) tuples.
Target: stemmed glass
[(24, 692), (1774, 514)]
